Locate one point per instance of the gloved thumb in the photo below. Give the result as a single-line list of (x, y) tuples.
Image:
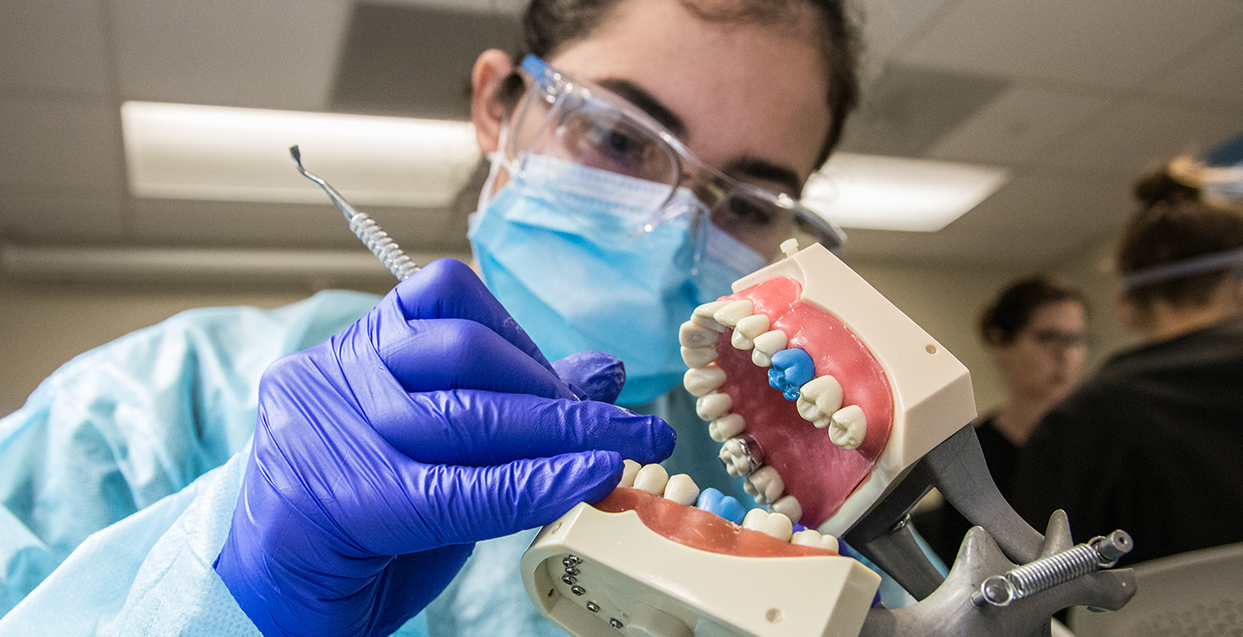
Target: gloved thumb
[(592, 375)]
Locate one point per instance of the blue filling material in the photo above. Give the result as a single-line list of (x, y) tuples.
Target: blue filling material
[(725, 506), (792, 368)]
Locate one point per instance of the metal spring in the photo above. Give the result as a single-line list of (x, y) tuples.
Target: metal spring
[(1053, 570), (383, 246)]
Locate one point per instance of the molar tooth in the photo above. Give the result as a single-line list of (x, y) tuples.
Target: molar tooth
[(774, 524), (692, 335), (702, 316), (742, 456), (729, 314), (725, 506), (791, 369), (726, 427), (818, 399), (788, 506), (714, 405), (682, 489), (765, 485), (698, 356), (629, 469), (766, 345), (701, 380), (812, 537), (651, 478), (849, 427)]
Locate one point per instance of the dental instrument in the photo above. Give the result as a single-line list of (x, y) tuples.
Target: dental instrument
[(884, 418), (364, 227)]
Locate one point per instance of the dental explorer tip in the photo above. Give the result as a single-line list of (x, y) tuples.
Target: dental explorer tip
[(296, 154)]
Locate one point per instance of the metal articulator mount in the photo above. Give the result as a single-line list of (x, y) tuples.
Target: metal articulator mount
[(957, 468)]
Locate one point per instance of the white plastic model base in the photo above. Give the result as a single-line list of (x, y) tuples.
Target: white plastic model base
[(629, 580)]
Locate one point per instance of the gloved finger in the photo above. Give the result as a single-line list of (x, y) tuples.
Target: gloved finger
[(479, 428), (459, 505), (592, 375), (457, 353), (447, 288)]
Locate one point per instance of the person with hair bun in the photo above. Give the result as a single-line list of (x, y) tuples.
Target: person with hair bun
[(1153, 444), (1036, 330)]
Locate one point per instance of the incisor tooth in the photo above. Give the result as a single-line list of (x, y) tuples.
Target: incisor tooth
[(765, 485), (740, 341), (682, 489), (726, 427), (652, 478), (691, 335), (701, 380), (698, 356), (729, 314), (849, 427), (712, 406), (629, 469), (752, 326), (766, 345), (812, 537), (774, 524), (788, 506), (702, 316)]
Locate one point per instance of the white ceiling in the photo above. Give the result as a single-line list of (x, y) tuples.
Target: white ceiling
[(1076, 98)]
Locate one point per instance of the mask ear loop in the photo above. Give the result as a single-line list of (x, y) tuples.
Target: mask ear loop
[(498, 160)]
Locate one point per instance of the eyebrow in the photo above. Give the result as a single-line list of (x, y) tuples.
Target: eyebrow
[(744, 167)]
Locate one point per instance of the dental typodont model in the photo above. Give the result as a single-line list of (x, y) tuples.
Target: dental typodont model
[(840, 413)]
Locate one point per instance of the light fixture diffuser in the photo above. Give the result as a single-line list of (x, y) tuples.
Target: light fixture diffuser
[(184, 151), (895, 193)]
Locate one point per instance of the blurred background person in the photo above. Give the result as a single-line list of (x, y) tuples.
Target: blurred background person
[(1036, 331), (1153, 443)]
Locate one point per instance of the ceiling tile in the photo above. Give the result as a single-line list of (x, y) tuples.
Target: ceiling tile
[(415, 61), (1032, 220), (59, 144), (1016, 125), (1215, 75), (61, 217), (907, 109), (52, 45), (1136, 136), (887, 23), (1106, 43), (257, 53)]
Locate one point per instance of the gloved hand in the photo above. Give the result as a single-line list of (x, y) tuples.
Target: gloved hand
[(383, 454)]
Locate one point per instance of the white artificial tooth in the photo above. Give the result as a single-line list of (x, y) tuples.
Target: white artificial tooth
[(818, 399), (702, 316), (766, 345), (691, 335), (726, 427), (698, 356), (740, 340), (774, 524), (682, 489), (652, 478), (849, 427), (765, 485), (752, 326), (788, 506), (734, 311), (701, 380), (737, 458), (629, 469), (813, 538), (713, 406)]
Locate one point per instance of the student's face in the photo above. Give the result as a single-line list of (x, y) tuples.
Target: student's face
[(748, 99), (1046, 358)]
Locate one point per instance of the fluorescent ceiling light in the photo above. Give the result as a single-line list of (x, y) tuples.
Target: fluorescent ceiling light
[(893, 193), (183, 151)]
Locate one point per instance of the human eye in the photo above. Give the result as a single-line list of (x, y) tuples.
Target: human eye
[(738, 210)]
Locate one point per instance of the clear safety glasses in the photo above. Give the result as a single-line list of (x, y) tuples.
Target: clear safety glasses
[(575, 120)]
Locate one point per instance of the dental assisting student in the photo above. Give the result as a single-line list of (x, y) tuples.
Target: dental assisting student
[(644, 154)]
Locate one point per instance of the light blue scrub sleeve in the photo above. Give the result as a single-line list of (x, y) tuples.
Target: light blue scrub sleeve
[(118, 428)]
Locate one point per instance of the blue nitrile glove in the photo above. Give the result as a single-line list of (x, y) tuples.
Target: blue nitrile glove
[(382, 455)]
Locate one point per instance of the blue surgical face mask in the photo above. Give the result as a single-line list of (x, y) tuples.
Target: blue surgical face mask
[(557, 247)]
